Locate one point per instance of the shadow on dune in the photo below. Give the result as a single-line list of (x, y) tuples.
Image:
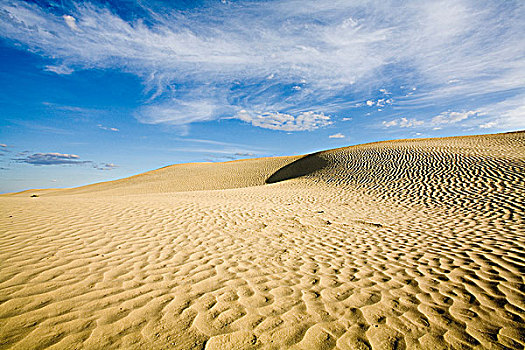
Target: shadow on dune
[(301, 167)]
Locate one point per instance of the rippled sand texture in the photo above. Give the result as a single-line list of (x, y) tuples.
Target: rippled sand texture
[(416, 244)]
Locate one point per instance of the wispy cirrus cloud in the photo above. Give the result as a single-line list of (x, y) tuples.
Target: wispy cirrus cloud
[(177, 112), (232, 148), (66, 108), (278, 60), (107, 128), (61, 69), (40, 127)]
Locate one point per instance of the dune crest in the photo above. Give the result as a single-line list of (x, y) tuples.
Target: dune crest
[(408, 244)]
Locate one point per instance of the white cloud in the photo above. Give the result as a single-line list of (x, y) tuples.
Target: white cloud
[(337, 136), (488, 125), (3, 145), (71, 22), (390, 123), (334, 45), (286, 122), (107, 128), (453, 117), (506, 115), (403, 123), (409, 123), (382, 102), (346, 119), (61, 69)]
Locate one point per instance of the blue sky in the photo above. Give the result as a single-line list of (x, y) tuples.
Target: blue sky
[(93, 91)]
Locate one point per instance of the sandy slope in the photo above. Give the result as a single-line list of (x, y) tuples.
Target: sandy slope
[(416, 244)]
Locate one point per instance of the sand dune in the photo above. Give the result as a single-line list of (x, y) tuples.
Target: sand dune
[(409, 244)]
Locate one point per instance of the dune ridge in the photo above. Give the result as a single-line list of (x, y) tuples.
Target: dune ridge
[(407, 244)]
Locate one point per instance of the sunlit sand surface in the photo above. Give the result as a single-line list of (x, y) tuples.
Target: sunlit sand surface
[(410, 244)]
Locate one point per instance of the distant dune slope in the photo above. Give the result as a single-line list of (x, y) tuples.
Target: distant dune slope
[(186, 177), (432, 170), (442, 171)]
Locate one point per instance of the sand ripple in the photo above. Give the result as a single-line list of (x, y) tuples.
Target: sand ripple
[(399, 245)]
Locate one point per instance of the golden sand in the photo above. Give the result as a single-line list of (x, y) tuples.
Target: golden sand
[(416, 244)]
